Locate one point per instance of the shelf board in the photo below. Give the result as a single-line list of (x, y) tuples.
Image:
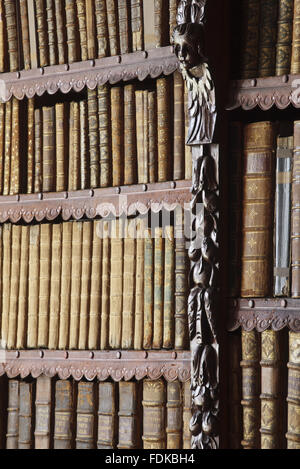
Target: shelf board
[(118, 365), (264, 313), (91, 73), (280, 92)]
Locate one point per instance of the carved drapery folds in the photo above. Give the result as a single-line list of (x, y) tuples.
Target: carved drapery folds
[(188, 40)]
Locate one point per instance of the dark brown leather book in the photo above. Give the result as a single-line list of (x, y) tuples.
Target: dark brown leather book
[(267, 38), (12, 34), (64, 414), (295, 60), (85, 430), (26, 415), (174, 416), (284, 37), (43, 422), (107, 416), (41, 27), (129, 402), (12, 434), (154, 414), (15, 148), (293, 398), (250, 38), (295, 216)]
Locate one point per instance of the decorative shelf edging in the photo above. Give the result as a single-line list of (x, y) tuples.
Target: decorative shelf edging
[(281, 91), (89, 73), (118, 365), (262, 314)]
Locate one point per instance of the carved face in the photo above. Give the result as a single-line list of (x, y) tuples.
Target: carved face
[(188, 44)]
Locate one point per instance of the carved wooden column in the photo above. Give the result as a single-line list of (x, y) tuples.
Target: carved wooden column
[(188, 39)]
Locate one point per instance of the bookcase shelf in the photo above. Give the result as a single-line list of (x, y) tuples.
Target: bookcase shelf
[(264, 313), (75, 76), (115, 364)]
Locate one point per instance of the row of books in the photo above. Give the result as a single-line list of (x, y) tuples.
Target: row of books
[(265, 209), (115, 136), (97, 285), (39, 33), (269, 37), (62, 414)]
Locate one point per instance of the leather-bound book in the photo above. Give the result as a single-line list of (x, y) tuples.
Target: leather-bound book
[(6, 278), (14, 286), (12, 435), (158, 289), (174, 415), (77, 229), (128, 289), (15, 149), (25, 415), (271, 353), (48, 149), (41, 27), (259, 159), (25, 34), (107, 416), (52, 41), (250, 38), (43, 423), (137, 25), (116, 285), (148, 25), (173, 16), (169, 287), (163, 128), (112, 25), (12, 34), (61, 32), (250, 389), (2, 143), (44, 291), (188, 149), (85, 431), (293, 397), (105, 287), (2, 39), (295, 59), (55, 284), (38, 151), (154, 414), (7, 148), (267, 38), (295, 216), (91, 28), (139, 287), (33, 285), (74, 147), (141, 164), (284, 37), (84, 156), (124, 26), (86, 261), (117, 129), (186, 415), (93, 138), (95, 290), (284, 162), (148, 289), (101, 28), (178, 128), (61, 146), (181, 282), (72, 35), (23, 289), (129, 402), (152, 136), (130, 155), (146, 134), (33, 40), (64, 414), (30, 147), (234, 391), (65, 300), (104, 119), (161, 26), (82, 17)]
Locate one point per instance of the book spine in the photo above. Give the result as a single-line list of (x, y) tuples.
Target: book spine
[(74, 145), (172, 16), (101, 28), (77, 229), (85, 434), (250, 389), (25, 416), (93, 138), (15, 149), (64, 414), (117, 128), (284, 37), (295, 215), (142, 171), (128, 291), (250, 39), (267, 38), (186, 415), (149, 32), (41, 22), (34, 54), (282, 216), (105, 287), (257, 209), (66, 266), (43, 401), (125, 46), (55, 286), (174, 416), (82, 16), (2, 143), (96, 283), (25, 34), (163, 128), (139, 288), (91, 28), (152, 136), (23, 289), (169, 287), (72, 156), (188, 149), (84, 161), (48, 149), (293, 398), (14, 286), (154, 414), (12, 34), (87, 233), (6, 276), (146, 136), (52, 41), (33, 286), (2, 38), (137, 25), (130, 156), (105, 131), (148, 289), (112, 24), (128, 406), (7, 148), (178, 128), (295, 59), (12, 435), (44, 292), (116, 285), (38, 151), (61, 146), (60, 31), (234, 391), (107, 416), (30, 147), (158, 289), (161, 26), (72, 39), (181, 284)]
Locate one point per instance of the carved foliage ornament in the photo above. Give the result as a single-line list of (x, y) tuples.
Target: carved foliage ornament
[(188, 40)]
